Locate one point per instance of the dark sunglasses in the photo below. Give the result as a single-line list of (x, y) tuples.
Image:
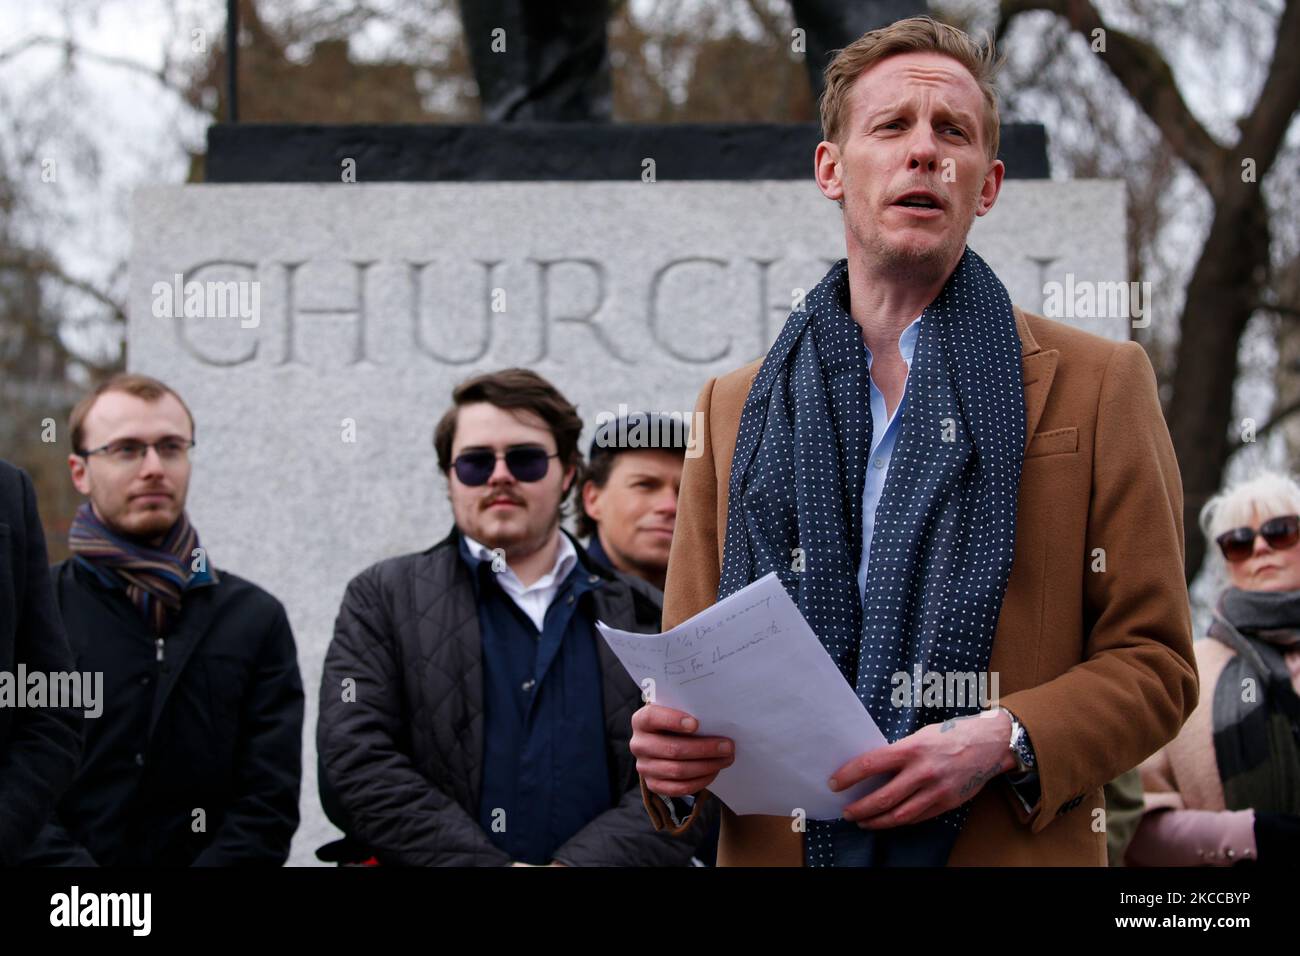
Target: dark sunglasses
[(1279, 534), (525, 462)]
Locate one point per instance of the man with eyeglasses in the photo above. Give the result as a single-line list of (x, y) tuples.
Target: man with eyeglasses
[(470, 714), (196, 758)]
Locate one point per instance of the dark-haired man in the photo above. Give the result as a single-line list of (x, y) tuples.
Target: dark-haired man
[(628, 504), (470, 714)]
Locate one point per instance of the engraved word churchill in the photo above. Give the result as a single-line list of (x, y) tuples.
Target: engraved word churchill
[(691, 310)]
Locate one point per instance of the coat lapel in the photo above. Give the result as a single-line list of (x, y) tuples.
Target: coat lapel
[(1038, 369)]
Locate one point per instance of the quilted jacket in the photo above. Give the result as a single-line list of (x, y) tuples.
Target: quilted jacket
[(400, 734)]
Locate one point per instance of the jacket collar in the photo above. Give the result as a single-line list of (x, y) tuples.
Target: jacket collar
[(1028, 344), (588, 559), (596, 552), (615, 599), (1038, 370)]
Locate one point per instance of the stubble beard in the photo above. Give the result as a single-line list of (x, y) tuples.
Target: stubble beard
[(517, 541), (906, 261)]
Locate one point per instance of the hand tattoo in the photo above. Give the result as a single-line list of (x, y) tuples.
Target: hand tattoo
[(980, 778)]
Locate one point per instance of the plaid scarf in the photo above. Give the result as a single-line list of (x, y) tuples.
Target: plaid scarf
[(154, 578), (1256, 713), (945, 525)]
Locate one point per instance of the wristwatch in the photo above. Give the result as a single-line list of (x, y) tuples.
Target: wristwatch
[(1021, 748)]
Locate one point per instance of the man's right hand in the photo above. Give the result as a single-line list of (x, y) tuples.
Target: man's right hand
[(670, 758)]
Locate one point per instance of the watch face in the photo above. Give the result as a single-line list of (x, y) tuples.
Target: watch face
[(1023, 756), (1018, 748)]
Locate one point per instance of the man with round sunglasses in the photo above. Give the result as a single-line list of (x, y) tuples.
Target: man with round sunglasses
[(470, 714)]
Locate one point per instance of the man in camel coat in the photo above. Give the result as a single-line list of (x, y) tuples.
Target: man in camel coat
[(1032, 527)]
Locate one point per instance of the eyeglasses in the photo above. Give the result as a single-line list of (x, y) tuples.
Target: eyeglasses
[(128, 451), (525, 462), (1279, 534)]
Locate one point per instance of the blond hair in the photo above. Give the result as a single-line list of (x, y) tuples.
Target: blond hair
[(913, 35)]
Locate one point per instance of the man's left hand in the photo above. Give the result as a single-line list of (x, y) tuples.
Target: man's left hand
[(939, 767)]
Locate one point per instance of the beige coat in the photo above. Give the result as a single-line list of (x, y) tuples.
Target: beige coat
[(1097, 664), (1184, 774)]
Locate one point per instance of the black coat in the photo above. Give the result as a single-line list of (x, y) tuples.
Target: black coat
[(215, 726), (39, 747), (402, 763)]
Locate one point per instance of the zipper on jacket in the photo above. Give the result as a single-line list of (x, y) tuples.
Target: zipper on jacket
[(158, 645)]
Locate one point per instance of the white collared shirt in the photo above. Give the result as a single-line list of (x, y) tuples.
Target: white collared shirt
[(535, 598)]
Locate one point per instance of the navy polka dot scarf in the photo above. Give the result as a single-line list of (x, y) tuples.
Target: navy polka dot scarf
[(945, 526)]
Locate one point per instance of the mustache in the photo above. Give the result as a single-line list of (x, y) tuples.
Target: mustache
[(500, 495)]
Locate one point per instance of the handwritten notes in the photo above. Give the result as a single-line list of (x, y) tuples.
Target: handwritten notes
[(750, 668)]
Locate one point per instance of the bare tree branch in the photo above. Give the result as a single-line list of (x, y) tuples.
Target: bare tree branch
[(767, 20), (1280, 416), (1147, 77), (1263, 130), (48, 335), (73, 49), (1285, 311), (40, 265)]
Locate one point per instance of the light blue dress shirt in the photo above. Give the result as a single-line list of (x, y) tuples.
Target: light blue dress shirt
[(882, 448), (1025, 785)]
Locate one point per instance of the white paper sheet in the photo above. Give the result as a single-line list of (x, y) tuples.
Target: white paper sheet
[(750, 668)]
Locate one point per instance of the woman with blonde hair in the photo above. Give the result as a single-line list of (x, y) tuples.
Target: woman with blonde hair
[(1227, 788)]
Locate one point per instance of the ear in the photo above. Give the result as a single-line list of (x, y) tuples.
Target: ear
[(567, 483), (826, 169), (991, 188), (591, 499), (80, 477)]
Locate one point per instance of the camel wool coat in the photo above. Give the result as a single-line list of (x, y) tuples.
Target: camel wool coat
[(1093, 648)]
